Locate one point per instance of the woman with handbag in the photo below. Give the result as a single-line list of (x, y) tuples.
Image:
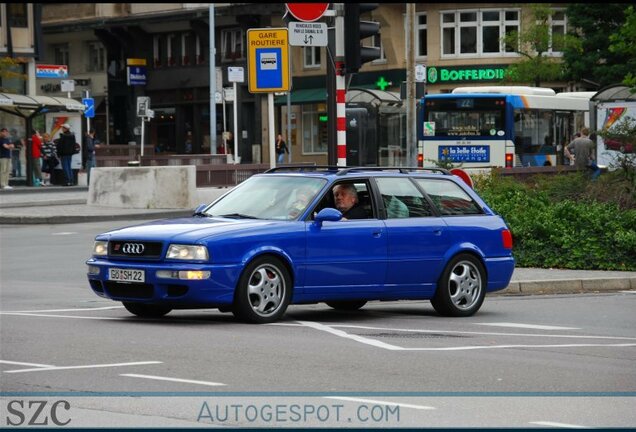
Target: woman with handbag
[(49, 158)]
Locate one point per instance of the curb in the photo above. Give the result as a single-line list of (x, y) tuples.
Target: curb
[(44, 203), (66, 219), (569, 286)]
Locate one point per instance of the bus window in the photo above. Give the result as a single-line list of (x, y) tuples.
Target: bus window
[(466, 116)]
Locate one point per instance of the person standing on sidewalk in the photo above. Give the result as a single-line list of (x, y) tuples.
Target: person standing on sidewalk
[(49, 158), (36, 153), (6, 145), (16, 163), (65, 150), (91, 142)]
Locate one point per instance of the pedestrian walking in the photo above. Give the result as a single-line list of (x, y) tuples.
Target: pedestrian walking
[(65, 147), (91, 142), (36, 155), (281, 148), (6, 145)]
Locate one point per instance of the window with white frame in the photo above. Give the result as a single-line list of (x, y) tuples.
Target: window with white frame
[(60, 54), (312, 57), (376, 41), (232, 44), (96, 57), (558, 27), (477, 32), (421, 40)]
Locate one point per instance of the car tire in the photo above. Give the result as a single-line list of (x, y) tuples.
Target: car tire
[(264, 291), (346, 305), (462, 287), (146, 310)]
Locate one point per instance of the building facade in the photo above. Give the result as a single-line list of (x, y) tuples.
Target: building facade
[(460, 43)]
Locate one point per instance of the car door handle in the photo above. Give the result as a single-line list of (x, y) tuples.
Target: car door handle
[(437, 232), (377, 234)]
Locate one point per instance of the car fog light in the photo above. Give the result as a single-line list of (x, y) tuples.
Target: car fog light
[(93, 270), (183, 274), (194, 274)]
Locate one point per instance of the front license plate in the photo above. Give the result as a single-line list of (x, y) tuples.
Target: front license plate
[(127, 275)]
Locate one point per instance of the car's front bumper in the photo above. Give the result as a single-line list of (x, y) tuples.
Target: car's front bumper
[(217, 290)]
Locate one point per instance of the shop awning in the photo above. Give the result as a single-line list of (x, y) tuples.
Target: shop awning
[(27, 106), (304, 96)]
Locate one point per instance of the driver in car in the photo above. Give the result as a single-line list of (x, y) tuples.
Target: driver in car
[(346, 198)]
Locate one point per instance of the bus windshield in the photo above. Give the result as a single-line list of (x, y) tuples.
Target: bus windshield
[(465, 116)]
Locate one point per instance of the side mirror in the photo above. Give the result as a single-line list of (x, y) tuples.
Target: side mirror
[(327, 214), (199, 209)]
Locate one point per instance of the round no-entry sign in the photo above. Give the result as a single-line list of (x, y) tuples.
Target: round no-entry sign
[(462, 175), (307, 11)]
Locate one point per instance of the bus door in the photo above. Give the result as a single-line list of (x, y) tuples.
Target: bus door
[(563, 133)]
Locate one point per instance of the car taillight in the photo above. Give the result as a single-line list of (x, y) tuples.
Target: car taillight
[(509, 159), (420, 160), (506, 238)]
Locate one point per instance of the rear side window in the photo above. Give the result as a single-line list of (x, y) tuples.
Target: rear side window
[(402, 199), (449, 198)]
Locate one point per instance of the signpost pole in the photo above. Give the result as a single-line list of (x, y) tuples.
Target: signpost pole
[(341, 121), (143, 127), (270, 125), (235, 115)]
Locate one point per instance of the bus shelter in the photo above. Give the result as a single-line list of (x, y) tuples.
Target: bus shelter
[(376, 128), (28, 107), (611, 105)]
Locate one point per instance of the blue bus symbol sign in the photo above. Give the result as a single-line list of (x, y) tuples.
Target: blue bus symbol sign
[(269, 73), (89, 110)]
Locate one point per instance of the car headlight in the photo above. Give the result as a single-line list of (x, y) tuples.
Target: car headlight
[(100, 248), (187, 252)]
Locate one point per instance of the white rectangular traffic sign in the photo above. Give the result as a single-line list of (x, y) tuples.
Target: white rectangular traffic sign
[(307, 34), (235, 74)]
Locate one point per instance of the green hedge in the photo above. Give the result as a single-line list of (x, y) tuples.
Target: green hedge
[(554, 226)]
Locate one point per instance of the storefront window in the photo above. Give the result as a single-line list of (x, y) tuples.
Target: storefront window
[(314, 127)]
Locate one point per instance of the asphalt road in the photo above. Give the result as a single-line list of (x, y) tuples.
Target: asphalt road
[(522, 361)]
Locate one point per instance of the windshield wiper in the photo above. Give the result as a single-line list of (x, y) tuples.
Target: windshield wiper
[(238, 216), (200, 214)]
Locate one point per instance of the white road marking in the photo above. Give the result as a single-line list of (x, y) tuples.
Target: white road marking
[(528, 326), (61, 316), (26, 364), (344, 398), (478, 347), (482, 333), (562, 425), (389, 347), (208, 383), (61, 233), (346, 335), (628, 292), (83, 367), (65, 310)]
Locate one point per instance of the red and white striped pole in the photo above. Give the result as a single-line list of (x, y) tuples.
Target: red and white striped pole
[(341, 113)]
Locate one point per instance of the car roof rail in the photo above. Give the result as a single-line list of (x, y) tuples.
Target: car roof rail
[(403, 170), (303, 168)]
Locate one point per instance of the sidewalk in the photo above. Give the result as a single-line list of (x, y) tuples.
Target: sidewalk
[(59, 205)]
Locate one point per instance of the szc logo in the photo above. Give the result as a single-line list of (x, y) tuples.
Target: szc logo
[(133, 248)]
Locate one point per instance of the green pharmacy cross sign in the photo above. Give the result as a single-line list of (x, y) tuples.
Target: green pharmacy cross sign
[(382, 84)]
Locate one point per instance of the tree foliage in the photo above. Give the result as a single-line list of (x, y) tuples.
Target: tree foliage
[(623, 44), (593, 24), (534, 43), (8, 68)]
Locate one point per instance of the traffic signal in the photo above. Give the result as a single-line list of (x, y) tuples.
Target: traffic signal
[(355, 30)]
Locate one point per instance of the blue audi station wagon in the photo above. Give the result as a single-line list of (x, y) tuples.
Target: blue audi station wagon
[(287, 237)]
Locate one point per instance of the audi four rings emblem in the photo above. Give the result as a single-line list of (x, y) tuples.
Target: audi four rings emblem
[(133, 248)]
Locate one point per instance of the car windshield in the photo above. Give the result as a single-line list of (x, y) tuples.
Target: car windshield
[(268, 197)]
